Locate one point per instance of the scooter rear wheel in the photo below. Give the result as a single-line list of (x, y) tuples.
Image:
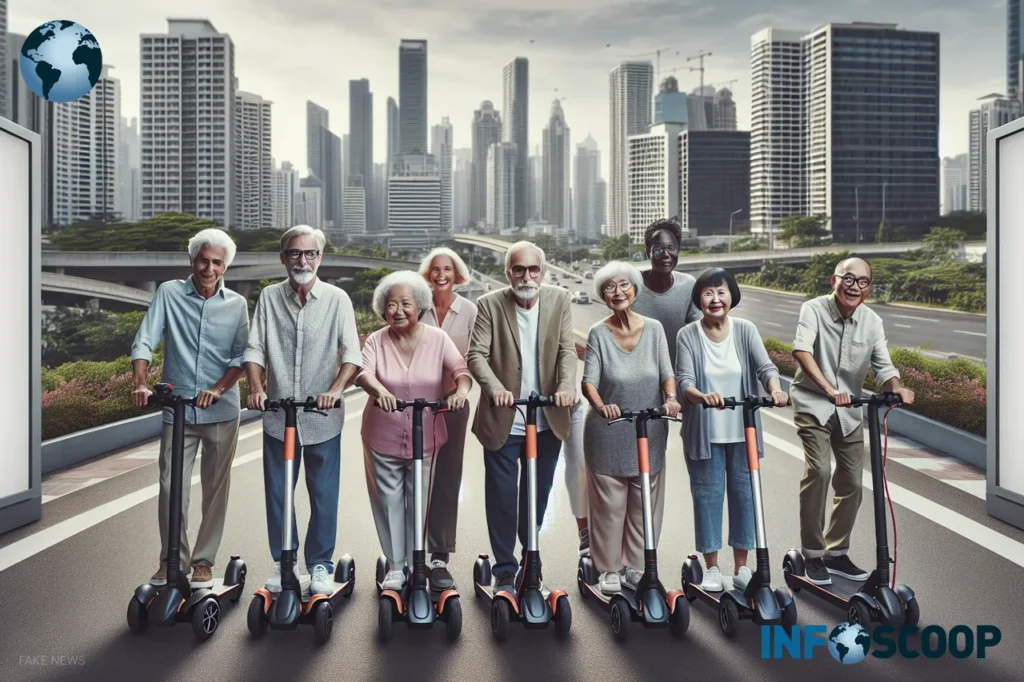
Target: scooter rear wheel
[(563, 616), (728, 617), (385, 618), (257, 619), (680, 620), (500, 616), (324, 622), (205, 618), (619, 619), (453, 618), (137, 620)]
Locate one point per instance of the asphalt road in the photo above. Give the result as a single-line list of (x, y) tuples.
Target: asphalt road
[(62, 604), (776, 315)]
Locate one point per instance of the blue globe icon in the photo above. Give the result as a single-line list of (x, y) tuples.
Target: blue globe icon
[(848, 643), (61, 61)]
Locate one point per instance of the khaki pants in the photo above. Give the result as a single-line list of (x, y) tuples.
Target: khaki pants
[(847, 484), (444, 500), (219, 441), (617, 519), (390, 483)]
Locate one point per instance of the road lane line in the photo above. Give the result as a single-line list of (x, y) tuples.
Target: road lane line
[(961, 331), (786, 311), (903, 326), (981, 535), (774, 324), (919, 319), (16, 552)]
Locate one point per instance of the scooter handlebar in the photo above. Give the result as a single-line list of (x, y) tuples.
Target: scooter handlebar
[(754, 401), (437, 405), (307, 405), (888, 398), (649, 413), (163, 395), (538, 400)]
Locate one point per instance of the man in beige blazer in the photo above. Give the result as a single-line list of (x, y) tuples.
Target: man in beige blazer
[(522, 342)]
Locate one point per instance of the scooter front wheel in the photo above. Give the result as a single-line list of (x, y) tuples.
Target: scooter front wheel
[(137, 620), (500, 617), (257, 619)]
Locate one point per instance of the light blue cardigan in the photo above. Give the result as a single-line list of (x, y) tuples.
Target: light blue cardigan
[(757, 369)]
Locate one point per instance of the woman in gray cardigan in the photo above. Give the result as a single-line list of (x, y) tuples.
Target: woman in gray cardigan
[(721, 357)]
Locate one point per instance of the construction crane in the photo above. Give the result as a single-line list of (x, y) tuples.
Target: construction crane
[(657, 57), (726, 83), (701, 57)]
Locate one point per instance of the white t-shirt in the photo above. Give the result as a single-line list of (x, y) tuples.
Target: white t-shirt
[(528, 319), (725, 376)]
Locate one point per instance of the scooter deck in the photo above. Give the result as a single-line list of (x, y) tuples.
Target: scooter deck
[(308, 600), (605, 600), (839, 592), (715, 598)]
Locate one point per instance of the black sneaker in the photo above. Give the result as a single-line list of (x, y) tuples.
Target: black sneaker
[(816, 572), (584, 541), (841, 565), (440, 577), (505, 580)]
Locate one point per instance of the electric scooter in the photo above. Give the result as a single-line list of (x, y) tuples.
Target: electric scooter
[(757, 602), (176, 601), (650, 603), (880, 598), (530, 604), (293, 605), (414, 603)]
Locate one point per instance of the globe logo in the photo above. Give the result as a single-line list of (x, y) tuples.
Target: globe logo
[(61, 61), (848, 643)]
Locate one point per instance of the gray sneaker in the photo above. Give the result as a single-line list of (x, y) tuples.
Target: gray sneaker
[(440, 577)]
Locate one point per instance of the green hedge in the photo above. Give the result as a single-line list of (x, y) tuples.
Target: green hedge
[(948, 391)]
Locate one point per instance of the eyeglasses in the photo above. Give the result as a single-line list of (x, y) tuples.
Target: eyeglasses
[(862, 282), (295, 253), (659, 251), (610, 287), (519, 270)]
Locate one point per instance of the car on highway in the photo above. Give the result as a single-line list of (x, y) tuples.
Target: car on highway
[(579, 297)]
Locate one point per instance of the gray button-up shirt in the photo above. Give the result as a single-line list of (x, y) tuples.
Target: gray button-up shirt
[(301, 349), (202, 337), (845, 349)]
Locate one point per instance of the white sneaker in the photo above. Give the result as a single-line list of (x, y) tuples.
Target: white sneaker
[(394, 580), (712, 580), (742, 577), (609, 583), (321, 581), (631, 577), (274, 583)]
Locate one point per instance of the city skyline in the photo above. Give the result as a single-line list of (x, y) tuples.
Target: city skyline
[(568, 53)]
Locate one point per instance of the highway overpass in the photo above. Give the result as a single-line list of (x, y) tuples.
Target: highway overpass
[(744, 261)]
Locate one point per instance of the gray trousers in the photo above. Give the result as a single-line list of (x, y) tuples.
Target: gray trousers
[(444, 499), (219, 441), (389, 480)]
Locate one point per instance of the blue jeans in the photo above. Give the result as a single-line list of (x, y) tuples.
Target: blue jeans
[(323, 473), (505, 481), (708, 478)]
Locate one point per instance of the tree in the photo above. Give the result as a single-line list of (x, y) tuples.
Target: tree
[(615, 248), (165, 232), (941, 244), (816, 276), (362, 284), (973, 225), (801, 231), (886, 233)]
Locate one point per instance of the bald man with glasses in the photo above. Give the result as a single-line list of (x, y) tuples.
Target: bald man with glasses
[(837, 341)]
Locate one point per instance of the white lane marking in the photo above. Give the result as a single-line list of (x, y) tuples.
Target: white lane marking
[(903, 326), (16, 552), (961, 331), (983, 536), (919, 319), (774, 324), (785, 311)]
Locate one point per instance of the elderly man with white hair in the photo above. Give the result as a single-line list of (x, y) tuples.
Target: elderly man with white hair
[(204, 327), (522, 342), (444, 270), (304, 340), (403, 361), (626, 367)]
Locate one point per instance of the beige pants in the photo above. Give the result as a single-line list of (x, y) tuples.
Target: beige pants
[(389, 480), (617, 519), (444, 500), (847, 484), (219, 441)]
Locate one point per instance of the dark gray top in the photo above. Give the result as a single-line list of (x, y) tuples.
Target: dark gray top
[(633, 382), (673, 309), (757, 371)]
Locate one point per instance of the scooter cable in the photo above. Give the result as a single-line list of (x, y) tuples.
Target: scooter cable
[(885, 481)]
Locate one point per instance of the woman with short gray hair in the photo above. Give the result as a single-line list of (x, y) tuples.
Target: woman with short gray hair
[(403, 361), (626, 367)]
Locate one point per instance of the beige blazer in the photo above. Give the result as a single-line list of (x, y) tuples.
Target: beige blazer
[(494, 360)]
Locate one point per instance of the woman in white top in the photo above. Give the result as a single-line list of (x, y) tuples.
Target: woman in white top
[(721, 357)]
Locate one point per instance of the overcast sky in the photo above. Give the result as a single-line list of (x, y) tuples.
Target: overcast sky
[(289, 51)]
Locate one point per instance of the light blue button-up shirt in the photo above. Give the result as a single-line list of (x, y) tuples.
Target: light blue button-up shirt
[(203, 338)]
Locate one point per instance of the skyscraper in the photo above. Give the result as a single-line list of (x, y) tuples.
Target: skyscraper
[(631, 85), (188, 85), (85, 161), (393, 124), (501, 186), (1014, 49), (462, 187), (777, 183), (285, 185), (588, 208), (414, 201), (994, 111), (714, 181), (359, 159), (670, 105), (725, 111), (253, 162), (441, 148), (516, 89), (652, 178), (412, 96), (128, 171), (954, 183), (556, 144), (323, 158), (317, 121), (486, 131)]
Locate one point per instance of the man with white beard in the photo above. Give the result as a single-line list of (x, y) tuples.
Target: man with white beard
[(522, 342), (303, 337)]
